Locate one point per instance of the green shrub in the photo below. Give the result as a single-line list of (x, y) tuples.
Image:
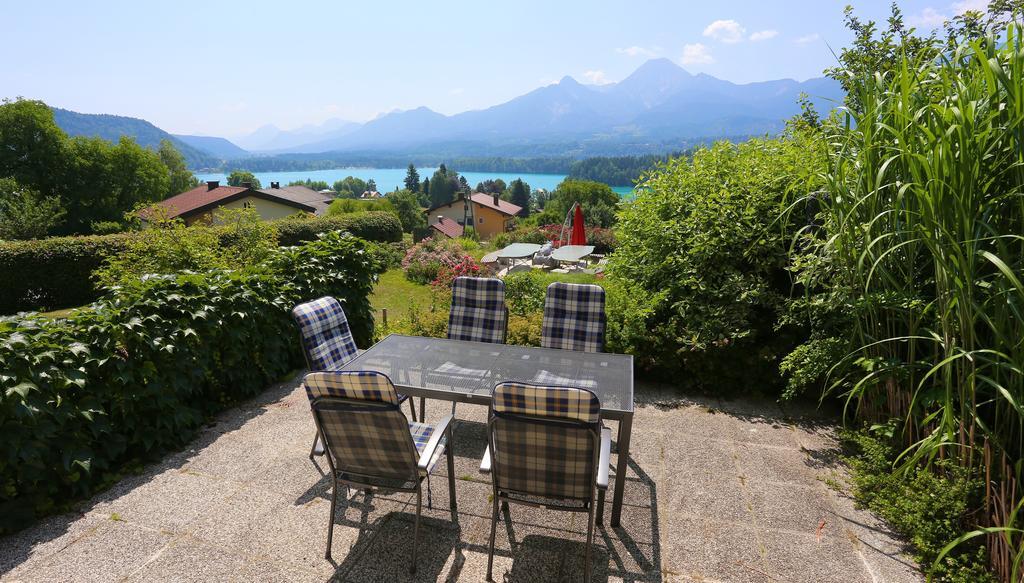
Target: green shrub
[(930, 506), (53, 273), (141, 370), (520, 235), (524, 330), (373, 226), (702, 235), (524, 293)]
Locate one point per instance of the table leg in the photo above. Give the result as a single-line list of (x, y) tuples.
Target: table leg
[(625, 429)]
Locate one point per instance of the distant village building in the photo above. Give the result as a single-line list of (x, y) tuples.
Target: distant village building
[(490, 215), (369, 194), (276, 202)]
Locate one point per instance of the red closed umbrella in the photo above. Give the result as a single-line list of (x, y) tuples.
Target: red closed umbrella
[(579, 235)]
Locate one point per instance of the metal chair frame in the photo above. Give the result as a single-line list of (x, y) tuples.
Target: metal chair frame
[(367, 482), (601, 441)]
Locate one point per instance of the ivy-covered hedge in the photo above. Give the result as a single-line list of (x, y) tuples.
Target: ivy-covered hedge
[(54, 273), (137, 373)]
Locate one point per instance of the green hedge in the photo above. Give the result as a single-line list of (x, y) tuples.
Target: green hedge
[(137, 373), (376, 226), (54, 273)]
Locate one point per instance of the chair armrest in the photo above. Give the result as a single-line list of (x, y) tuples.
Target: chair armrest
[(604, 460), (435, 438), (485, 464)]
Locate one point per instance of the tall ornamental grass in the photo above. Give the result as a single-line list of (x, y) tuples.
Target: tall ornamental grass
[(920, 242)]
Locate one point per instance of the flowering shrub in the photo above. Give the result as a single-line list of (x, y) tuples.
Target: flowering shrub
[(424, 260), (466, 266)]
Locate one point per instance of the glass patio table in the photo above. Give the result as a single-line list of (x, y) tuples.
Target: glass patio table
[(466, 372)]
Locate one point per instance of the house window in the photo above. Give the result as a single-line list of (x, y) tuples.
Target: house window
[(481, 220), (247, 205)]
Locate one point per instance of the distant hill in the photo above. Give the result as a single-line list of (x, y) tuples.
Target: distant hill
[(271, 139), (112, 127), (218, 147), (658, 108)]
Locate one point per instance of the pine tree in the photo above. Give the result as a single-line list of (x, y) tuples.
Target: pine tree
[(412, 179), (520, 196)]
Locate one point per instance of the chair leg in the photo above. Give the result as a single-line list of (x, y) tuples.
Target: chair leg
[(590, 542), (330, 522), (314, 450), (494, 528), (412, 407), (423, 409), (451, 477), (416, 528), (600, 506)]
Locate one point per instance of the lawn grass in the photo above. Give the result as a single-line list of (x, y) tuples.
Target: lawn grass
[(395, 294)]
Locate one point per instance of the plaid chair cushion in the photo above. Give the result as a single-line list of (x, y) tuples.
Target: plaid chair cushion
[(359, 385), (421, 433), (546, 401), (378, 443), (543, 460), (478, 310), (326, 335), (574, 317)]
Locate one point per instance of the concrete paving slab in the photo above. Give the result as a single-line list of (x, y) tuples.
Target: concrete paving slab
[(715, 491), (110, 552)]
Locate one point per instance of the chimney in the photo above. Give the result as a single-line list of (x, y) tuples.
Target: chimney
[(440, 219), (211, 184), (496, 200), (247, 185), (275, 185)]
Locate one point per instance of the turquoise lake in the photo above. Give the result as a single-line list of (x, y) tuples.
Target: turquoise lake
[(389, 179)]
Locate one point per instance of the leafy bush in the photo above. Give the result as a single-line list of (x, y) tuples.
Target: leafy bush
[(524, 293), (701, 242), (930, 508), (53, 273), (57, 272), (373, 226), (169, 246), (139, 371), (424, 260), (524, 330)]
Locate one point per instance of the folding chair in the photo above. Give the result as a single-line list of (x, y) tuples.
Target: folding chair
[(371, 445), (546, 448)]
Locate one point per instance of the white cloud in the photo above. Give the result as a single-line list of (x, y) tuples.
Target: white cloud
[(931, 17), (596, 77), (727, 31), (696, 54), (928, 18), (456, 91), (964, 5), (635, 51), (763, 35), (808, 39)]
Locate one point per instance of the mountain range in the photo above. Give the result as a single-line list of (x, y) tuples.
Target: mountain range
[(658, 108)]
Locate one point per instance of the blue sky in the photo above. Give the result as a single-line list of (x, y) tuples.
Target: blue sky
[(226, 68)]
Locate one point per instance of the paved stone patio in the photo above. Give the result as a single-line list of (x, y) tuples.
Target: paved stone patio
[(717, 491)]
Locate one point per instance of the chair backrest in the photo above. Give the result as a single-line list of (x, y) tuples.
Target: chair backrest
[(364, 431), (544, 440), (326, 336), (478, 310), (574, 317)]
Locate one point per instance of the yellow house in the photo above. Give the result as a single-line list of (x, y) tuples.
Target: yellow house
[(199, 204), (489, 214)]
